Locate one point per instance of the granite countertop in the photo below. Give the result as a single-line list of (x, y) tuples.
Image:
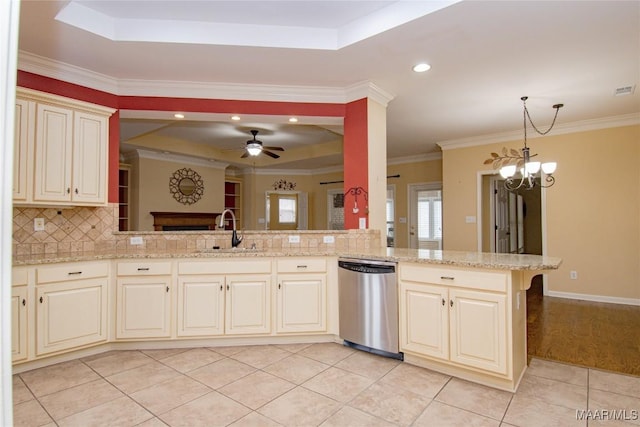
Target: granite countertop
[(426, 256)]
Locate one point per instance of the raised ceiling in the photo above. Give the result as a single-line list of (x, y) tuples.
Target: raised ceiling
[(484, 55)]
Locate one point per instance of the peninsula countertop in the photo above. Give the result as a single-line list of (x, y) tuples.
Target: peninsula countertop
[(497, 261)]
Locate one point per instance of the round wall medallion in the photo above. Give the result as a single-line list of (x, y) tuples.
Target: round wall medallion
[(186, 186)]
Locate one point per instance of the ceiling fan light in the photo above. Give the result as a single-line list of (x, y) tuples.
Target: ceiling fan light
[(549, 167), (254, 149)]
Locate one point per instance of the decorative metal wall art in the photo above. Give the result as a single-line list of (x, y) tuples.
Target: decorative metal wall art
[(186, 186), (283, 184)]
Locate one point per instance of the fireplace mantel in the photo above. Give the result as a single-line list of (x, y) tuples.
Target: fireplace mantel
[(172, 221)]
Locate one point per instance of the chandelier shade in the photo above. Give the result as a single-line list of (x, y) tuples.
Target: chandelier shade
[(532, 173)]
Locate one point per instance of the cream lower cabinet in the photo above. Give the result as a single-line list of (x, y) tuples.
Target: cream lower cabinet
[(71, 306), (19, 314), (248, 304), (143, 300), (231, 297), (201, 305), (463, 326), (302, 295)]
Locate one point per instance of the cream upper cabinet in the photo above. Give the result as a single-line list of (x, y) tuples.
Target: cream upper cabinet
[(71, 306), (455, 316), (70, 151), (302, 295), (22, 155), (143, 299)]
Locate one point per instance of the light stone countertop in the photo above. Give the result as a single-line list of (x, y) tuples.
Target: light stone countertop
[(426, 256)]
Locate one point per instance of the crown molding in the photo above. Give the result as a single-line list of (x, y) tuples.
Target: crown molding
[(368, 90), (176, 158), (415, 159), (66, 72), (209, 90), (563, 129)]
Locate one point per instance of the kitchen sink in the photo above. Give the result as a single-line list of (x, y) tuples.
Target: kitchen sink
[(231, 250)]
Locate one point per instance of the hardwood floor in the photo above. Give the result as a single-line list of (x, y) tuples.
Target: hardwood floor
[(592, 334)]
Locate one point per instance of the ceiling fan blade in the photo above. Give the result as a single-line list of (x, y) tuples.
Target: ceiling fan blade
[(270, 154), (274, 148), (244, 155)]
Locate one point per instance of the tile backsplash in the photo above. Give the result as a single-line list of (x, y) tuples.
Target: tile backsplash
[(88, 229)]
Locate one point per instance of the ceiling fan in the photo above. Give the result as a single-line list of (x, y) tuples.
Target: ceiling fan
[(255, 147)]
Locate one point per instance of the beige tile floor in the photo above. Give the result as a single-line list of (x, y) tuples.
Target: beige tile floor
[(305, 385)]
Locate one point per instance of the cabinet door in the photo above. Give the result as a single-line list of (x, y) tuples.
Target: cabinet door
[(89, 158), (248, 304), (24, 127), (302, 303), (200, 305), (70, 314), (18, 323), (53, 153), (478, 329), (424, 319), (143, 307)]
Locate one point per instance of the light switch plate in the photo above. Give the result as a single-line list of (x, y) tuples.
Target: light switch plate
[(403, 220), (294, 239), (136, 240), (328, 239), (362, 223), (470, 219)]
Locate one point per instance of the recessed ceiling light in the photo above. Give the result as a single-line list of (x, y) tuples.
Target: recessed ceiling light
[(421, 68), (178, 116), (293, 119), (236, 118)]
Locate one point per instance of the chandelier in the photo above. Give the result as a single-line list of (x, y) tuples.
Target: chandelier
[(531, 173)]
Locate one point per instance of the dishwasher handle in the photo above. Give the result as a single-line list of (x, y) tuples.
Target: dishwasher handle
[(367, 268)]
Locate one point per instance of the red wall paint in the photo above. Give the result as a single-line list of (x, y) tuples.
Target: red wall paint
[(356, 165), (70, 90)]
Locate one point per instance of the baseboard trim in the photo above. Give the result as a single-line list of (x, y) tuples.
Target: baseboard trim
[(594, 298)]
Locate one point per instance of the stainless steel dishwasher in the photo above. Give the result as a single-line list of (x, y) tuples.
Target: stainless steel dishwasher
[(368, 306)]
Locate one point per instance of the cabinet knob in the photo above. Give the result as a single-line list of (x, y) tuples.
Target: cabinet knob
[(221, 287), (76, 191), (41, 300), (279, 286), (24, 301), (451, 303), (227, 287), (74, 273), (443, 302), (68, 190), (167, 289)]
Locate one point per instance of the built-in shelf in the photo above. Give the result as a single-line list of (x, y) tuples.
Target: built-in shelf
[(233, 202), (124, 198)]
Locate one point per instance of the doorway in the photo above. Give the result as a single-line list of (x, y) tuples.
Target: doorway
[(286, 210), (425, 216)]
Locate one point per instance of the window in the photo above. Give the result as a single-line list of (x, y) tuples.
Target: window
[(390, 215), (430, 215), (287, 210)]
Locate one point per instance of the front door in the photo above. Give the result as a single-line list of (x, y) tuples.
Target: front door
[(425, 218)]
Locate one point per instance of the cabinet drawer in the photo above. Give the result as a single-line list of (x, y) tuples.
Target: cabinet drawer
[(68, 272), (474, 279), (19, 276), (225, 267), (302, 265), (150, 268)]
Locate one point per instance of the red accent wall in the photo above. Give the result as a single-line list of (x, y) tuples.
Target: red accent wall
[(70, 90), (356, 164)]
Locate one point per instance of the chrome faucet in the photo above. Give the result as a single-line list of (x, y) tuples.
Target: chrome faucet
[(235, 241)]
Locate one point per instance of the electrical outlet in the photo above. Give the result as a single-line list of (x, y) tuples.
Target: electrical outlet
[(328, 239), (38, 224), (573, 275), (294, 239), (136, 240), (362, 223)]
